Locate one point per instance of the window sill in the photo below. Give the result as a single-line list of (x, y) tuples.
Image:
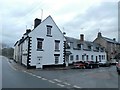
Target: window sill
[(57, 50), (40, 50), (49, 35)]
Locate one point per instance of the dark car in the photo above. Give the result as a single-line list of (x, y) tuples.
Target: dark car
[(79, 64), (91, 64), (118, 67), (104, 63)]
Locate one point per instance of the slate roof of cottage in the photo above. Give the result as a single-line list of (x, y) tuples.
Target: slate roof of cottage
[(110, 40), (76, 42)]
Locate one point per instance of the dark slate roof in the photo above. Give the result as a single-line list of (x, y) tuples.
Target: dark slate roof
[(85, 43), (15, 43), (111, 40), (22, 40)]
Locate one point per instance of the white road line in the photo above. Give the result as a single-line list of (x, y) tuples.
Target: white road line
[(38, 76), (27, 72), (66, 83), (44, 79), (57, 80), (51, 81), (76, 86), (60, 85)]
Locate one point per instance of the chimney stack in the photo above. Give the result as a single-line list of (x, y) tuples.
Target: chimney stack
[(81, 37), (114, 39), (28, 30), (37, 22), (99, 34)]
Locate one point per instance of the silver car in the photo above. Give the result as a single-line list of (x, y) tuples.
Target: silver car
[(104, 63)]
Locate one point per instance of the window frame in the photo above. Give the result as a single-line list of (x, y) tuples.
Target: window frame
[(40, 44), (77, 57), (49, 30), (56, 58), (57, 45), (71, 57)]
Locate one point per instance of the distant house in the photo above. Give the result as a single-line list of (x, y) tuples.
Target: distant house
[(41, 46), (81, 50), (111, 46)]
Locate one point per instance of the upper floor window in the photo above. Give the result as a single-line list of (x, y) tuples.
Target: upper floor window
[(49, 30), (89, 47), (57, 42), (39, 43), (71, 57)]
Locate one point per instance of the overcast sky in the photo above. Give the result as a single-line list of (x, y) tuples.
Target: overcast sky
[(72, 16)]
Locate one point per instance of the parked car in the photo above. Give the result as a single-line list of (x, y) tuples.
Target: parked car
[(79, 64), (113, 61), (118, 67), (104, 63), (91, 64)]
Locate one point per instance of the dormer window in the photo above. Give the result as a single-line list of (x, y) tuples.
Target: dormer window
[(79, 46), (49, 30), (89, 47)]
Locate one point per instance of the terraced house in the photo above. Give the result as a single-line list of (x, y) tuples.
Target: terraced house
[(111, 46), (81, 50), (46, 45)]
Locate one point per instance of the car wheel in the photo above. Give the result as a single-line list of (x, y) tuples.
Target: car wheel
[(98, 66), (119, 72)]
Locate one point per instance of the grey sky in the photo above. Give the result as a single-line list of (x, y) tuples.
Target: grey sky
[(73, 17)]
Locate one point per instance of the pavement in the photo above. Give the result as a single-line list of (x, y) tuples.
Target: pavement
[(21, 67)]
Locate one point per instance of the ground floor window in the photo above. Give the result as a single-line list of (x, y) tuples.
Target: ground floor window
[(77, 57), (83, 57), (57, 58), (87, 57), (100, 58), (92, 57)]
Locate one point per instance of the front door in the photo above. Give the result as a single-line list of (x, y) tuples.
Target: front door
[(67, 60), (39, 62)]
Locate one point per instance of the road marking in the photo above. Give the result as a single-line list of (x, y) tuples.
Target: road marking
[(51, 81), (67, 83), (76, 86), (38, 76), (57, 80), (60, 85), (44, 79)]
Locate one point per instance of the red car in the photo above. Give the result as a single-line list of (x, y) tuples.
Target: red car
[(79, 64), (118, 67)]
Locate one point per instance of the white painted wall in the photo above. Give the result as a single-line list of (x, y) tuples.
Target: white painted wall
[(24, 52), (48, 43), (82, 52), (16, 54)]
